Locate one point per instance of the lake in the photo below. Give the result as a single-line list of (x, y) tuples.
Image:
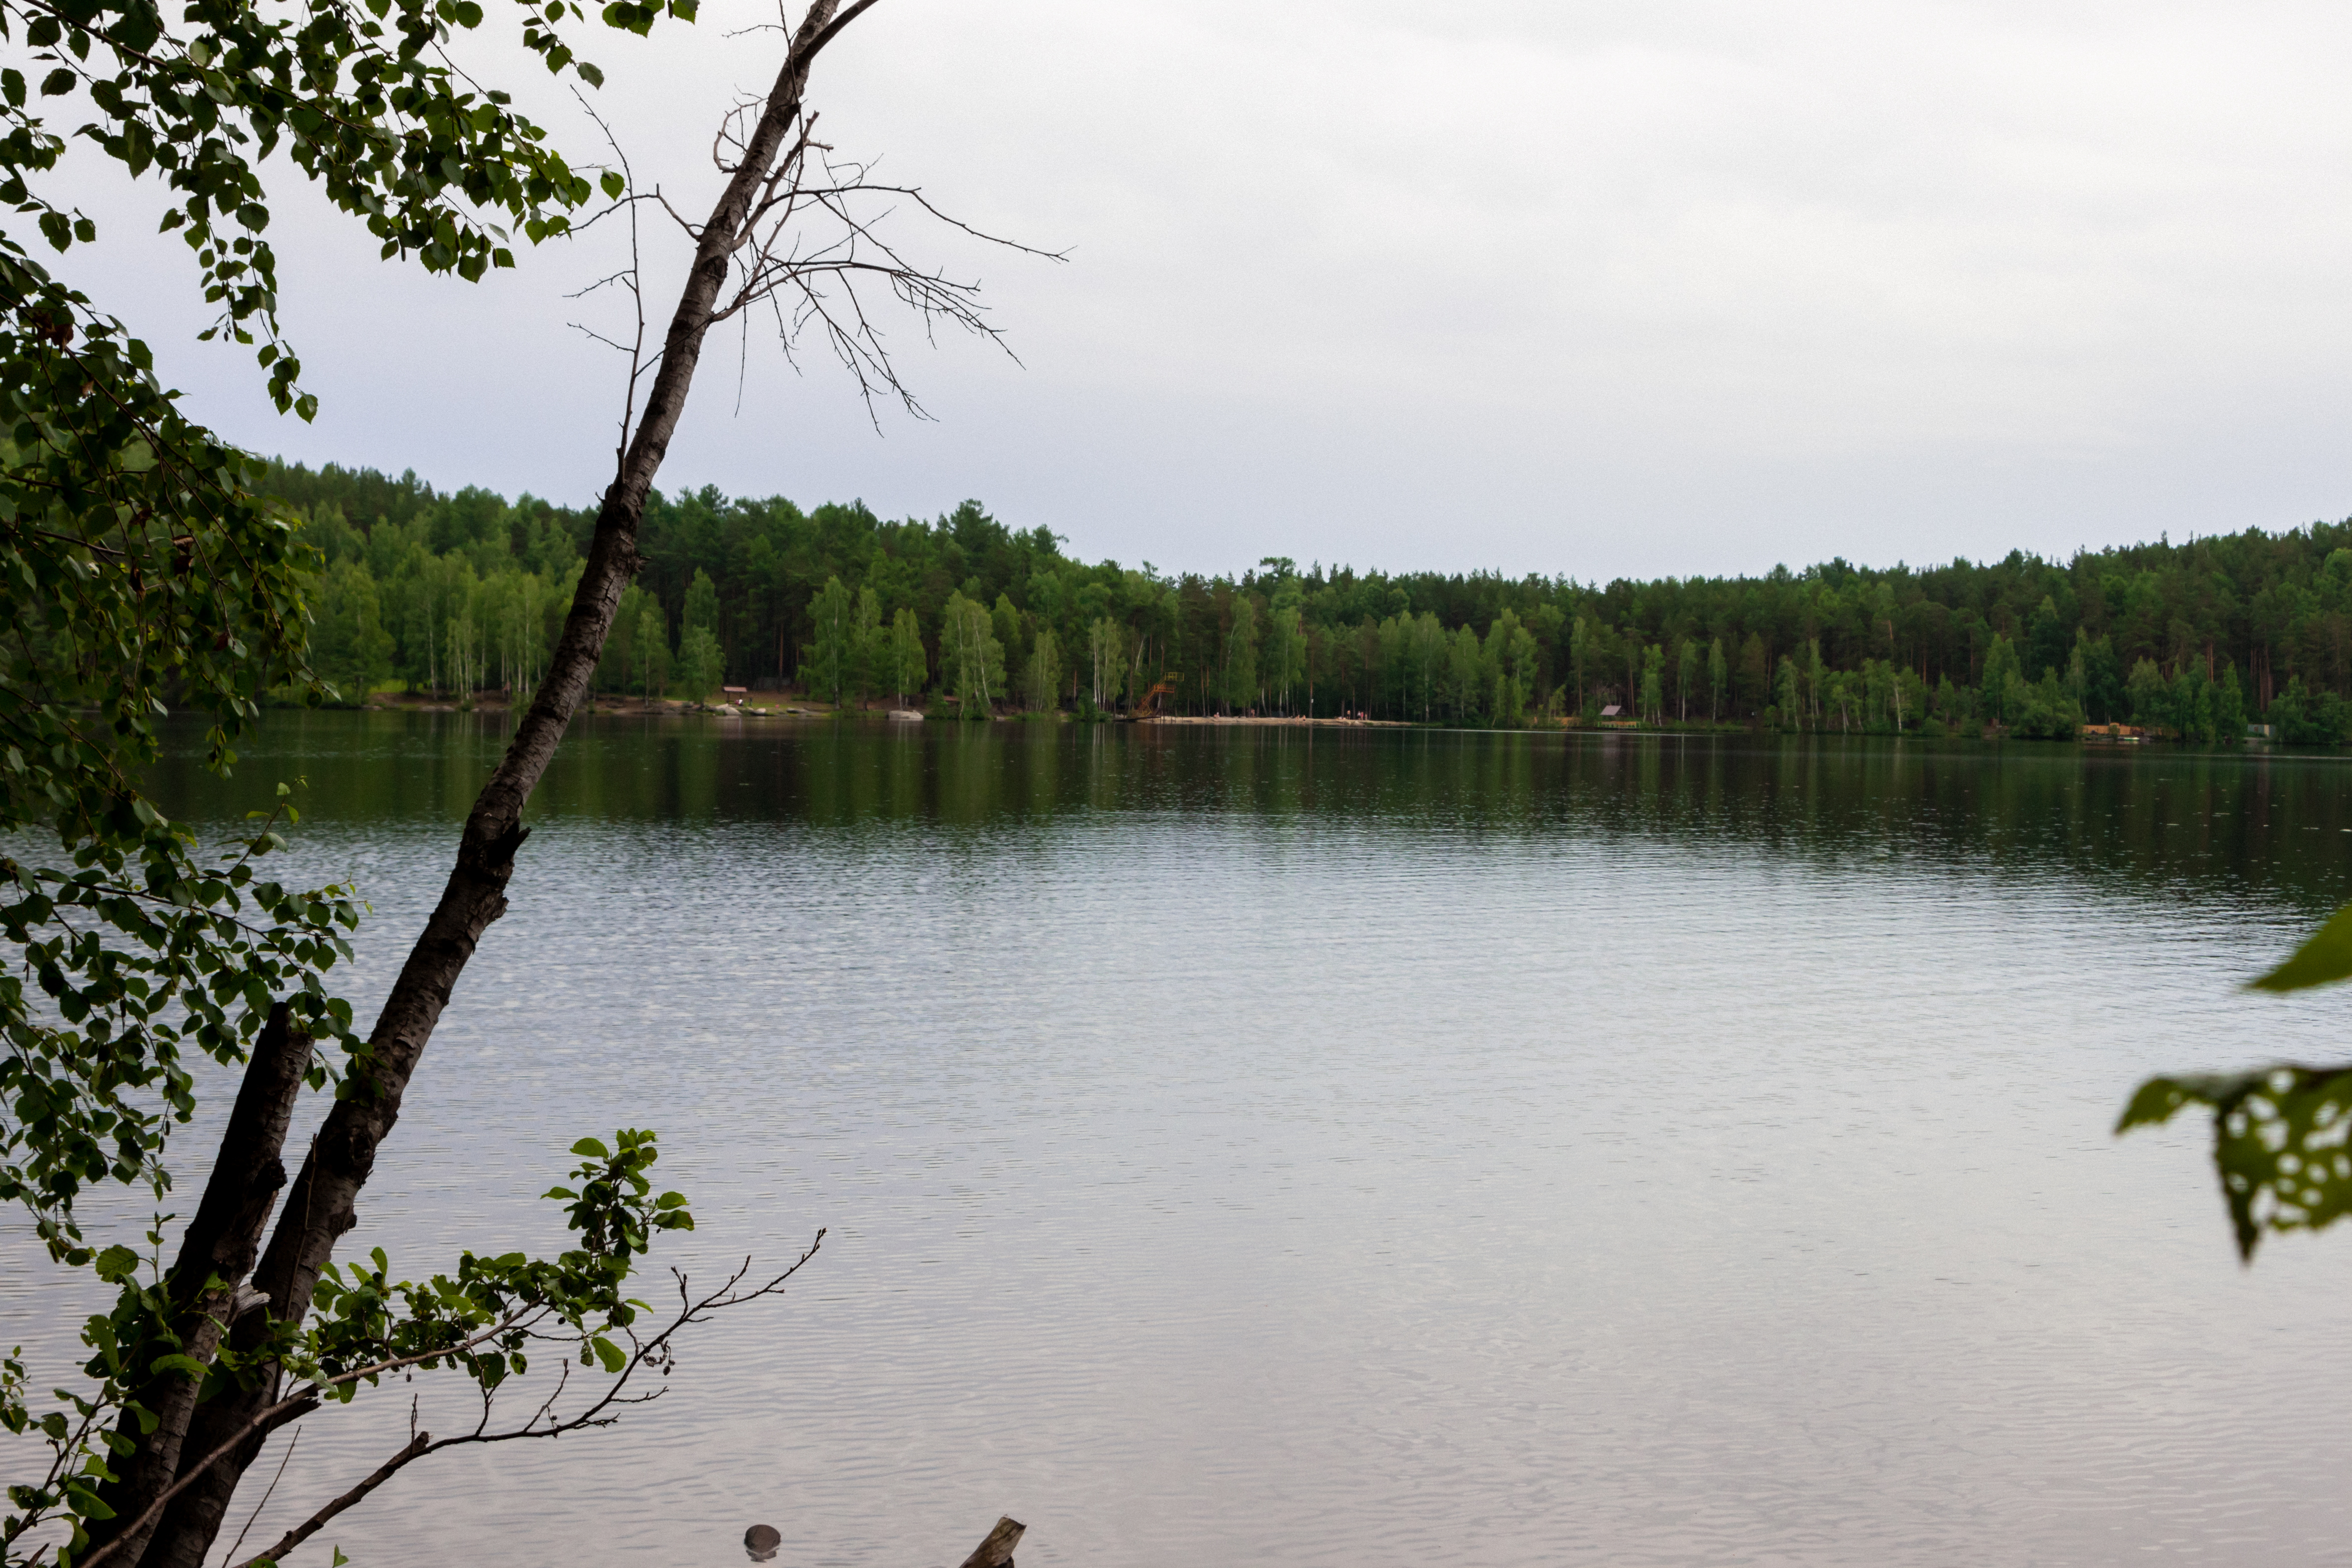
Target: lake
[(1290, 1146)]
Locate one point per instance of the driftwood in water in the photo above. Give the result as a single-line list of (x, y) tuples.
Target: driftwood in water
[(996, 1552), (762, 1541)]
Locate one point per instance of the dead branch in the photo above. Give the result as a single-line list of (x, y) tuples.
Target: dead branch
[(631, 276), (808, 243)]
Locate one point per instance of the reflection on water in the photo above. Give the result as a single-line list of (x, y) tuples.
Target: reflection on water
[(1263, 1146), (2268, 821)]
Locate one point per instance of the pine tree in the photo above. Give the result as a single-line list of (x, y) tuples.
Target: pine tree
[(702, 604), (700, 664), (2001, 672), (2230, 706)]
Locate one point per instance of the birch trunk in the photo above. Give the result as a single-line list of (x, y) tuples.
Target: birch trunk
[(221, 1242), (321, 1205)]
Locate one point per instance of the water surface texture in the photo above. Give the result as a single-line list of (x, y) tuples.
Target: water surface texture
[(1345, 1147)]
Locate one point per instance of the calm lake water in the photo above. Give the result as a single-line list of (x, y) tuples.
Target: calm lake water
[(1362, 1148)]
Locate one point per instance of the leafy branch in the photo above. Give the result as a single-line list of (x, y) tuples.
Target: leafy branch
[(485, 1319), (2281, 1134)]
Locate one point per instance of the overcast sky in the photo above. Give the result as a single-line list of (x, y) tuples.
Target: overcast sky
[(1600, 289)]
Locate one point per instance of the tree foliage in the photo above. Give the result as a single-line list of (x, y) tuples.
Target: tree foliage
[(140, 572), (364, 100), (2192, 640), (137, 570)]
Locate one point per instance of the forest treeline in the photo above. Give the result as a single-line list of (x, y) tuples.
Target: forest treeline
[(464, 592)]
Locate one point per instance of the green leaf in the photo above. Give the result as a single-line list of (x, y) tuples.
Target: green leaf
[(116, 1264), (613, 183), (86, 1504), (608, 1352), (589, 1146), (2324, 957), (2282, 1143), (2159, 1098)]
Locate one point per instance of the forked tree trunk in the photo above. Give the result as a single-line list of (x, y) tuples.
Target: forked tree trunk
[(321, 1206), (220, 1243)]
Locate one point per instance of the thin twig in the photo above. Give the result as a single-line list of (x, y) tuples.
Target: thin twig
[(291, 1444), (420, 1444), (633, 276)]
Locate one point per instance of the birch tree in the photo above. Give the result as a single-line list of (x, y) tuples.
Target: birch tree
[(1043, 674), (971, 656), (370, 107), (909, 666)]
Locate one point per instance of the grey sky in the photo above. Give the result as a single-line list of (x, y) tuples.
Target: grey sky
[(1680, 289)]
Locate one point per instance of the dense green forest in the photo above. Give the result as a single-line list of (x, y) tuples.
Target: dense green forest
[(462, 593)]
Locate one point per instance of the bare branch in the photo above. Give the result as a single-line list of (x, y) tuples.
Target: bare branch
[(543, 1423), (806, 242), (418, 1446), (594, 336), (631, 276), (271, 1490)]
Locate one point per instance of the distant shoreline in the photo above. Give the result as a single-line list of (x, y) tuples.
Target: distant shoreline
[(1290, 723)]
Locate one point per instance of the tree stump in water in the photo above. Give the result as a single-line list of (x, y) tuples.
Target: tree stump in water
[(996, 1552)]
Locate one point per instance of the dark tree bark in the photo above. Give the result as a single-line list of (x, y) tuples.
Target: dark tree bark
[(996, 1551), (321, 1204), (220, 1243)]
